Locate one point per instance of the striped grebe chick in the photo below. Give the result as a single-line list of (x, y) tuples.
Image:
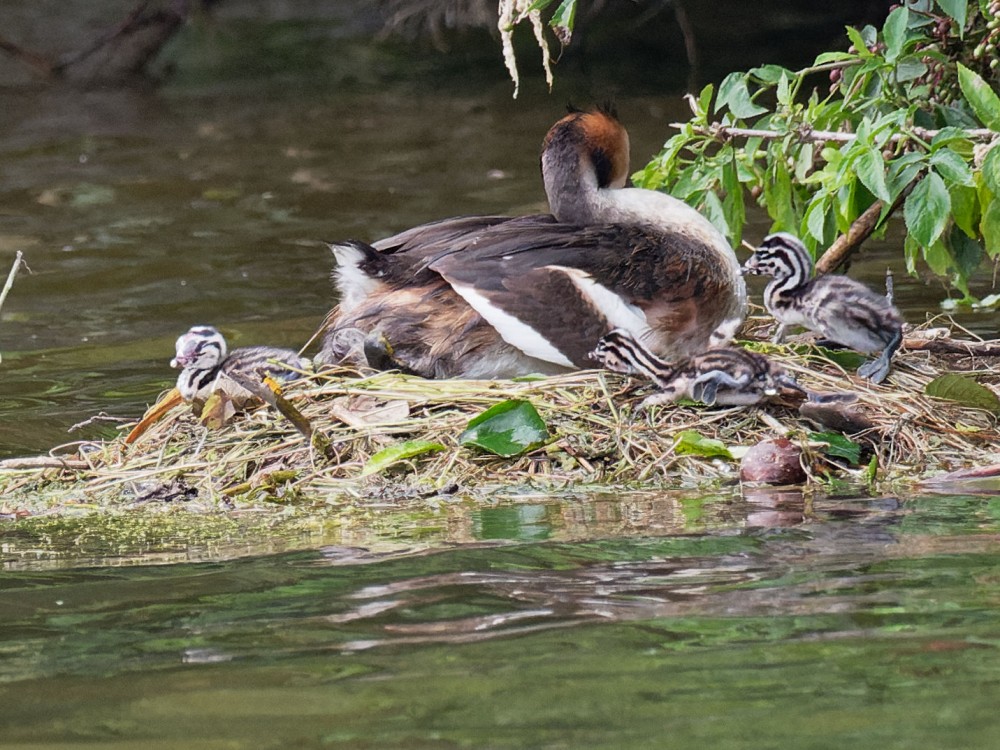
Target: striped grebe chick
[(207, 367), (724, 375), (839, 308), (487, 297)]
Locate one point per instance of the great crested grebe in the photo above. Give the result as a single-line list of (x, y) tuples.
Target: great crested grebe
[(837, 307), (206, 367), (724, 375), (494, 297)]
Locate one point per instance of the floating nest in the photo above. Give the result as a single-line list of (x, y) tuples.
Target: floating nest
[(374, 434)]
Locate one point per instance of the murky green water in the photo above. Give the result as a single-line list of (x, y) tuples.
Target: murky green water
[(864, 623)]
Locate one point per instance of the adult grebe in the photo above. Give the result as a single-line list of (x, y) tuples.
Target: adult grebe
[(486, 297)]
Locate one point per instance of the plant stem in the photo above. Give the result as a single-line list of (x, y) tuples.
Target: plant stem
[(10, 277), (859, 231), (805, 135)]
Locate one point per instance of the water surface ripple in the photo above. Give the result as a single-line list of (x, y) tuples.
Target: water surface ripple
[(869, 622)]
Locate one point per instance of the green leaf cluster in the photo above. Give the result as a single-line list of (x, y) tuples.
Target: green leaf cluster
[(507, 429), (899, 121)]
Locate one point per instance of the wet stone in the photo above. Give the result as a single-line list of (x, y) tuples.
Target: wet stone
[(773, 461)]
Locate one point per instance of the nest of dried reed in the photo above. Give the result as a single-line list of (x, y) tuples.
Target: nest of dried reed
[(599, 436)]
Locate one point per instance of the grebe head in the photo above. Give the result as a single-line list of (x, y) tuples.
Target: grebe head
[(582, 153), (780, 255), (201, 348)]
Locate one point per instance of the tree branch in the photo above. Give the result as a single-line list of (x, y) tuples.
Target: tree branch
[(952, 346), (808, 135), (10, 277), (690, 44), (38, 62), (859, 231), (126, 48)]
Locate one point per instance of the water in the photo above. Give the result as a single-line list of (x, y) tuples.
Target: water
[(866, 622)]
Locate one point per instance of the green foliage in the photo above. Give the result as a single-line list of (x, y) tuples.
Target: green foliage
[(902, 119), (964, 390), (838, 446), (400, 452), (514, 12), (506, 429), (694, 443)]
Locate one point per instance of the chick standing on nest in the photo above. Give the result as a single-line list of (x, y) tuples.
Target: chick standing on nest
[(837, 307)]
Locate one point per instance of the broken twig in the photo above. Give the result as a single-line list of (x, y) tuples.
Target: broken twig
[(10, 281)]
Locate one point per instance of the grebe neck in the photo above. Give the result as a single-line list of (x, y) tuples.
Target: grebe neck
[(584, 155)]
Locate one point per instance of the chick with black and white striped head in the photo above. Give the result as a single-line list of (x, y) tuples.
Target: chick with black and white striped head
[(839, 308), (724, 375), (207, 366)]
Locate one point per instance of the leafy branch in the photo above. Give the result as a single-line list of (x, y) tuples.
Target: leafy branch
[(905, 119), (561, 23)]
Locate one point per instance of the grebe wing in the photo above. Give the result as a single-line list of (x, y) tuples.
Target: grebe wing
[(403, 258), (551, 290), (437, 236)]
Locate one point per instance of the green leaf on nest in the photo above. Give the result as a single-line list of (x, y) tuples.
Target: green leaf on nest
[(399, 452), (838, 446), (506, 429), (965, 391), (694, 443), (846, 358)]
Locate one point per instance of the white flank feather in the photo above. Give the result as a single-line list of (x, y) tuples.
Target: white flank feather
[(353, 284), (618, 312), (515, 332)]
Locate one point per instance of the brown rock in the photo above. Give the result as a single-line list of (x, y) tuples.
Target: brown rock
[(773, 461)]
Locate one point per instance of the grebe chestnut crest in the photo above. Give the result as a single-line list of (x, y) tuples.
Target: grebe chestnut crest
[(497, 297)]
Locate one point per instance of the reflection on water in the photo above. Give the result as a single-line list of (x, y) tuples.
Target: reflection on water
[(869, 623)]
